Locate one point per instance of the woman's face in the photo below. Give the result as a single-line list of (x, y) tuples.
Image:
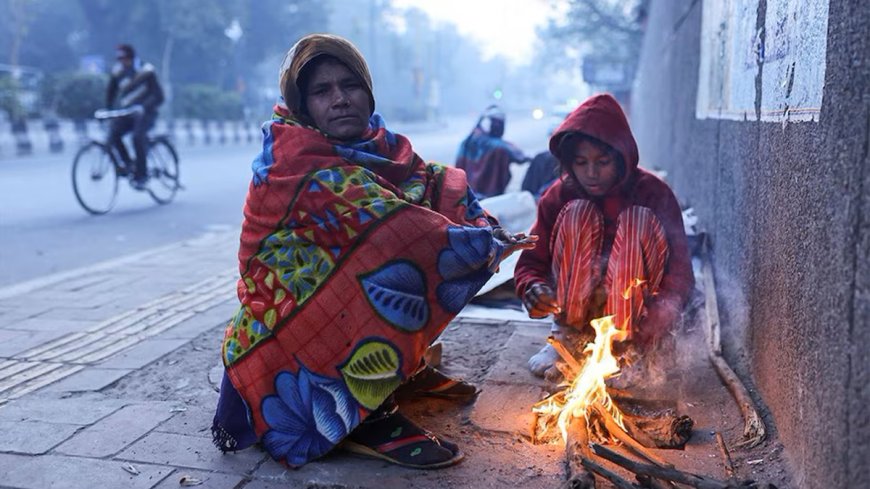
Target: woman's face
[(594, 168), (337, 101)]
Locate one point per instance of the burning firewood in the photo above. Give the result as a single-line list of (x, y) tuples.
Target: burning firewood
[(576, 451), (584, 411)]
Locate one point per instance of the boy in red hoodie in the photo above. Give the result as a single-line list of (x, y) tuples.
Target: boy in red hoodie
[(603, 226)]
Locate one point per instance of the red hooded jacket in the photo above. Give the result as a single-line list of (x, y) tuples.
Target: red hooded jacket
[(602, 118)]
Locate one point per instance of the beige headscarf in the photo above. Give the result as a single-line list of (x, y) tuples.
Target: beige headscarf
[(310, 47)]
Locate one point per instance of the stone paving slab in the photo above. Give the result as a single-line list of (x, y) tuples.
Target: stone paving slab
[(79, 411), (116, 431), (64, 325), (190, 451), (195, 421), (13, 342), (203, 321), (62, 472), (92, 314), (210, 480), (142, 354), (33, 437), (89, 379)]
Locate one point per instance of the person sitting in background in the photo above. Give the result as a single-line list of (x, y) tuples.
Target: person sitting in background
[(354, 256), (543, 171), (604, 224), (133, 85), (486, 157)]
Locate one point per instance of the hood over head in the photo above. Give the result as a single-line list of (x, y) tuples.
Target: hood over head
[(601, 117), (307, 49)]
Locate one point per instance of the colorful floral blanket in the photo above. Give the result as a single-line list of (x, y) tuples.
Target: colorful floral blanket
[(353, 259)]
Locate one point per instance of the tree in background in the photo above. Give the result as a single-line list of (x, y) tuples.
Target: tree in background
[(601, 35)]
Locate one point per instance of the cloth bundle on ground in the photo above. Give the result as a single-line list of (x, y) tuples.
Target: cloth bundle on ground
[(353, 259)]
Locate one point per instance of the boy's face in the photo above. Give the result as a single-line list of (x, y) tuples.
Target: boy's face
[(595, 168), (337, 101)]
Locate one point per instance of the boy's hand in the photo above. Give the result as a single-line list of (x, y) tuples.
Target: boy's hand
[(540, 301)]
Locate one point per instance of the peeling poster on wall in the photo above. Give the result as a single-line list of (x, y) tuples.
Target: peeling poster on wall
[(789, 53)]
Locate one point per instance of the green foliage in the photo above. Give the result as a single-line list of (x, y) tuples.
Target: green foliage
[(198, 101), (78, 95), (603, 28)]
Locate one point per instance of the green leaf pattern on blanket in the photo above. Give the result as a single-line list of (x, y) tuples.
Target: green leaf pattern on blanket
[(372, 372), (300, 265), (296, 261)]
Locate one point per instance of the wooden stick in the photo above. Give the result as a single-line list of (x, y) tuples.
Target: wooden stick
[(564, 353), (668, 473), (653, 483), (617, 432), (710, 300), (754, 429), (577, 449), (617, 481), (726, 457)]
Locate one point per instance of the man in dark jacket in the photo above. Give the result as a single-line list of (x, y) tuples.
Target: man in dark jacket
[(133, 85)]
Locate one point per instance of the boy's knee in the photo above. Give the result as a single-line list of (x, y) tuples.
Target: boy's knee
[(579, 213)]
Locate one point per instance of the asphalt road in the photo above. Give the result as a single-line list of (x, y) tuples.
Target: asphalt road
[(43, 230)]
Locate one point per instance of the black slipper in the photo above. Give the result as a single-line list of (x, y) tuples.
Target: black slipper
[(397, 440), (433, 383)]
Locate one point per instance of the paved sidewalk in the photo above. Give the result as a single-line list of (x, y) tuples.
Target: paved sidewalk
[(107, 373)]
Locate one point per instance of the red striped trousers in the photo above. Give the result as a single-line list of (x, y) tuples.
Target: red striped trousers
[(639, 253)]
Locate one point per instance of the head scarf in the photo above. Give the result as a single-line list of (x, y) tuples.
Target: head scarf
[(307, 49)]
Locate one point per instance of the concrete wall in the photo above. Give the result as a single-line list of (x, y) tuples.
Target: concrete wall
[(788, 208)]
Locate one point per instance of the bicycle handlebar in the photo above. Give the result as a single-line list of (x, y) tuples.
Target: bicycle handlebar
[(116, 113)]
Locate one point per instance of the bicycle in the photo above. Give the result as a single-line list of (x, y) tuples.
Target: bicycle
[(97, 168)]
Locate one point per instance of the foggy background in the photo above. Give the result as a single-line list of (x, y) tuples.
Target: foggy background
[(219, 59)]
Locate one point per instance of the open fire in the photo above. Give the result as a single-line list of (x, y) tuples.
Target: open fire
[(583, 411), (588, 387)]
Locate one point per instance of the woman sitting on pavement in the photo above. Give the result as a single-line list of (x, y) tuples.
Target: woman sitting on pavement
[(604, 224), (355, 254)]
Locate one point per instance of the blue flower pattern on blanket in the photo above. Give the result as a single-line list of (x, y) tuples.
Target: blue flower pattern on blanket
[(308, 416), (464, 265), (397, 291)]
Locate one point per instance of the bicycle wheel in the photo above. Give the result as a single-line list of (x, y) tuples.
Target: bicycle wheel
[(95, 178), (162, 171)]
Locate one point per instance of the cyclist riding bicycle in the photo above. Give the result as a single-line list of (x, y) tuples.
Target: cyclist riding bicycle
[(133, 85)]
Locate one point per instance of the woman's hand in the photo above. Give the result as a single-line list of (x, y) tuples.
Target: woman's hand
[(514, 242), (540, 301)]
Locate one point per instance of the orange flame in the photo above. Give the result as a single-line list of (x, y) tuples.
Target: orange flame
[(626, 294), (588, 387)]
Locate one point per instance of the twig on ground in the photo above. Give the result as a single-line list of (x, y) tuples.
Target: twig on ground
[(754, 429), (726, 457)]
